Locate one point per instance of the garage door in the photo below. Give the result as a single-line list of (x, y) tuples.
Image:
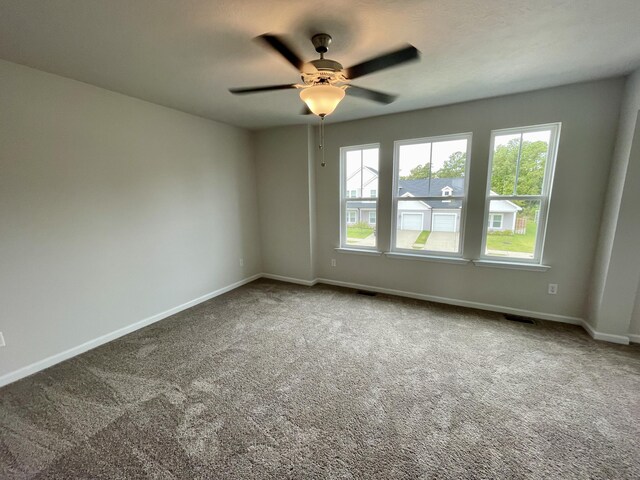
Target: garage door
[(444, 222), (411, 221)]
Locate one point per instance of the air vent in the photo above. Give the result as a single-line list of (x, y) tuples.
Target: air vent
[(367, 293), (518, 318)]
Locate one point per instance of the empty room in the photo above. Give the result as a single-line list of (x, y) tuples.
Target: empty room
[(337, 240)]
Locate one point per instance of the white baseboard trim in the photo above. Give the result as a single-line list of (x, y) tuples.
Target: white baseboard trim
[(307, 283), (606, 337), (96, 342), (633, 338), (460, 303)]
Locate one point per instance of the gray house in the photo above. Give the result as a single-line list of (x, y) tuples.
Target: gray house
[(436, 215), (443, 215)]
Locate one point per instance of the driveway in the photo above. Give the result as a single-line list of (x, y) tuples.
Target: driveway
[(406, 238), (442, 241)]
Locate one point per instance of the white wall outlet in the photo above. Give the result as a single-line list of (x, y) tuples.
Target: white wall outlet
[(333, 262), (553, 288), (2, 344), (242, 262)]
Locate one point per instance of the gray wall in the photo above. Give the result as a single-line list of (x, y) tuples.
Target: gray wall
[(285, 197), (589, 113), (112, 210)]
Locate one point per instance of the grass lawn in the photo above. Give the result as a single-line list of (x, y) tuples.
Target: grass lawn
[(514, 242), (421, 240), (359, 232)]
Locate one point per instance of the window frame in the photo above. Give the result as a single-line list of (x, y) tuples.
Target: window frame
[(544, 197), (375, 217), (344, 198), (462, 212)]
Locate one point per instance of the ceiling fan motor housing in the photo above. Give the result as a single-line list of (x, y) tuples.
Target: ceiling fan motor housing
[(321, 42)]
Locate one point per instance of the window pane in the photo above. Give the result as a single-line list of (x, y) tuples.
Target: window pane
[(414, 161), (353, 170), (513, 227), (360, 231), (369, 171), (432, 225), (449, 159), (504, 164), (533, 159)]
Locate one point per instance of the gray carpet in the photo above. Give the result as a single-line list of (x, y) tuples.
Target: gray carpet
[(279, 381)]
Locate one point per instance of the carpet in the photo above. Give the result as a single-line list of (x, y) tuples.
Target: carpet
[(277, 381)]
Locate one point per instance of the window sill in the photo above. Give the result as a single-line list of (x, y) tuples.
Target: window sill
[(428, 258), (535, 267), (358, 251)]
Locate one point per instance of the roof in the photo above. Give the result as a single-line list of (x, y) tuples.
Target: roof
[(425, 187)]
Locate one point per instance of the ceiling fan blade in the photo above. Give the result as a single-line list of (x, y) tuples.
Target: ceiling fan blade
[(369, 94), (242, 91), (283, 49), (305, 111), (382, 62)]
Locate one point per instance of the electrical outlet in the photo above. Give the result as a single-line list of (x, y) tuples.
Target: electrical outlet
[(2, 344), (553, 288), (242, 262), (333, 262)]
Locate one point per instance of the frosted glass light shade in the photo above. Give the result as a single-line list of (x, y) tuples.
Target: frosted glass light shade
[(322, 99)]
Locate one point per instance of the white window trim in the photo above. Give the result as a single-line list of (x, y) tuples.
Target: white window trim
[(375, 217), (544, 197), (463, 211), (348, 215), (344, 198)]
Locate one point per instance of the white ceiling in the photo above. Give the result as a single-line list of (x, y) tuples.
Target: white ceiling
[(186, 53)]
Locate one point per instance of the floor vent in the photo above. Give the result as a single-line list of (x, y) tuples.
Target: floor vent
[(518, 318), (367, 293)]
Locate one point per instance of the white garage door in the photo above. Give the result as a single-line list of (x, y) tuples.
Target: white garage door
[(411, 221), (444, 222)]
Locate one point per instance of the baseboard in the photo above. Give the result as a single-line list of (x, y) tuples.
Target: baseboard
[(91, 344), (460, 303), (606, 337), (633, 338), (307, 283)]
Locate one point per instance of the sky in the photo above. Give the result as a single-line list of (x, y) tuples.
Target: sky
[(410, 156)]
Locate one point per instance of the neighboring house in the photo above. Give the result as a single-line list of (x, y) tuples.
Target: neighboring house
[(362, 186), (441, 215)]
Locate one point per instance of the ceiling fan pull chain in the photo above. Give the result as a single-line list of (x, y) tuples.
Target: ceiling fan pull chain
[(321, 146)]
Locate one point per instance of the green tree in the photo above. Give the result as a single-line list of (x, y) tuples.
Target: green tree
[(533, 160), (421, 171), (453, 167)]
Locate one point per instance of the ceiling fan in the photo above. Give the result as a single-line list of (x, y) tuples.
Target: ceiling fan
[(325, 81)]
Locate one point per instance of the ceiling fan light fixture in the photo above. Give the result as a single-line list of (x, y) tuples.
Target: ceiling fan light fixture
[(322, 100)]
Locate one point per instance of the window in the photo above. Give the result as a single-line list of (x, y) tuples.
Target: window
[(495, 221), (518, 191), (425, 170), (359, 173)]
